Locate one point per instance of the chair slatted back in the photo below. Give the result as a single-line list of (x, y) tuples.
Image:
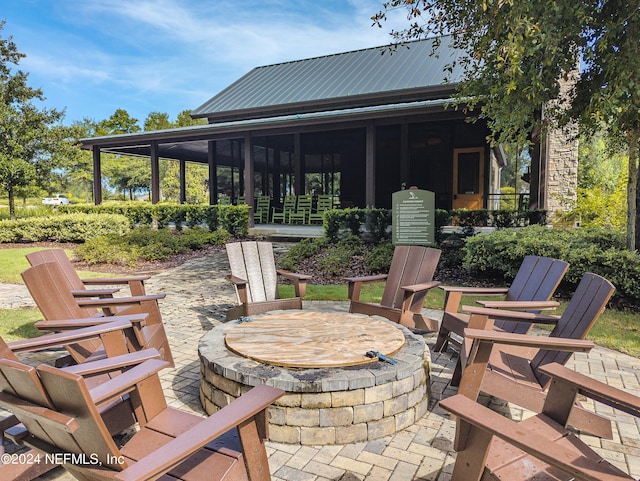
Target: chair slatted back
[(588, 302), (51, 292), (22, 381), (263, 208), (69, 395), (60, 257), (410, 265), (304, 203), (254, 262), (537, 279), (324, 202)]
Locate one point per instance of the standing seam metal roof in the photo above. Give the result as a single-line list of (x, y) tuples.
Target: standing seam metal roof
[(344, 76)]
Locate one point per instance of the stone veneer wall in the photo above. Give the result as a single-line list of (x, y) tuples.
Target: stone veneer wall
[(562, 164)]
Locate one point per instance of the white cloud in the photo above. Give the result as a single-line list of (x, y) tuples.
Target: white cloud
[(188, 50)]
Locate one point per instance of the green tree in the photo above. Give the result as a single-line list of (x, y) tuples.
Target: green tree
[(157, 121), (32, 140), (184, 119), (517, 54), (125, 173), (79, 167)]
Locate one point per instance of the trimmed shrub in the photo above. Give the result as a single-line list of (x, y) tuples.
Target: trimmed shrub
[(63, 227), (233, 218), (378, 259), (600, 251), (338, 259), (301, 250), (144, 243)]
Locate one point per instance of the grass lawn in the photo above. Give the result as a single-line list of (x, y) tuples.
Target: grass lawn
[(17, 324), (13, 262)]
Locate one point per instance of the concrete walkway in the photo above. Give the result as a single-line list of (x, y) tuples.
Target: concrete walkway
[(198, 296)]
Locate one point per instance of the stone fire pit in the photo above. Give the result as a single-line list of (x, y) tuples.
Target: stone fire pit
[(335, 393)]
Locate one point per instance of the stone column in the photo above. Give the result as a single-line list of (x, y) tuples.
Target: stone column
[(561, 172)]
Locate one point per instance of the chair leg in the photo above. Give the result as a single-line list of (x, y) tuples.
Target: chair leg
[(442, 341)]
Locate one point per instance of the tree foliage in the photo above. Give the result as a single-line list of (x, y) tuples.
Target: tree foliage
[(519, 51), (33, 142)]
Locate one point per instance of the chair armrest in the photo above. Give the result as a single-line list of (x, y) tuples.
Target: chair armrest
[(115, 280), (176, 451), (126, 382), (378, 277), (519, 304), (596, 390), (94, 292), (70, 324), (293, 276), (542, 342), (299, 281), (355, 284), (469, 413), (115, 363), (476, 291), (425, 286), (237, 280), (56, 340), (119, 301), (511, 315)]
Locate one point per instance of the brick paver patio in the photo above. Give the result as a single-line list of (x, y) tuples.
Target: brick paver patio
[(198, 296)]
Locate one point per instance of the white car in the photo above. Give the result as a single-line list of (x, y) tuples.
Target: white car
[(56, 199)]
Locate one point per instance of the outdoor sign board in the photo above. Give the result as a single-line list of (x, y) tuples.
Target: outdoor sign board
[(413, 221)]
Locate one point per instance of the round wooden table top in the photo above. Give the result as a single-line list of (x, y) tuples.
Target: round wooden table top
[(313, 339)]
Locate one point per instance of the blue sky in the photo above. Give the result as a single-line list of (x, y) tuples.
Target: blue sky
[(91, 57)]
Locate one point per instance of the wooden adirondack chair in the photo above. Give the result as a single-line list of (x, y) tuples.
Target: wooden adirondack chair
[(281, 215), (135, 283), (534, 284), (323, 203), (303, 208), (254, 276), (52, 293), (508, 366), (493, 447), (117, 415), (61, 416), (410, 277)]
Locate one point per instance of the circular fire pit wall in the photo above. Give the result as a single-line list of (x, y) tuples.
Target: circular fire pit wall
[(338, 404)]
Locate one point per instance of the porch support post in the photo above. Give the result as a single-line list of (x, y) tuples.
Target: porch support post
[(155, 174), (212, 160), (248, 175), (183, 181), (297, 166), (370, 166), (404, 154), (97, 176)]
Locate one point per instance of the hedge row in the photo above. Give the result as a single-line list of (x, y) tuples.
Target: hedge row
[(62, 227), (600, 251), (497, 218), (232, 218), (374, 225)]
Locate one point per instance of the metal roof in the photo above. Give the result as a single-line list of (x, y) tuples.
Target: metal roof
[(363, 77)]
